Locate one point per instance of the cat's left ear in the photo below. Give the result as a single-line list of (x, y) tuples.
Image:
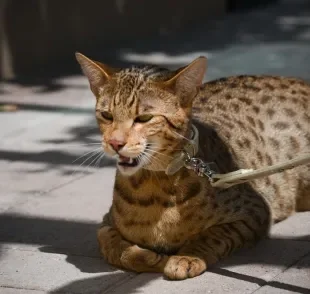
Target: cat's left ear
[(96, 72), (187, 80)]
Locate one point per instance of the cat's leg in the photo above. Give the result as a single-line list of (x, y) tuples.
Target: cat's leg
[(126, 255), (210, 246)]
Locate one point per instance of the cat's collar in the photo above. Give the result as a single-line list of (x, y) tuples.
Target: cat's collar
[(190, 149)]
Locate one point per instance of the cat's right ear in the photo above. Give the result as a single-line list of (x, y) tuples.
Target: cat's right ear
[(96, 72), (187, 80)]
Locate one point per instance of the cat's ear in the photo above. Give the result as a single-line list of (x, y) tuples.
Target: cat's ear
[(96, 72), (188, 79)]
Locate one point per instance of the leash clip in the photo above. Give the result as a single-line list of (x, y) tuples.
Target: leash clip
[(200, 167)]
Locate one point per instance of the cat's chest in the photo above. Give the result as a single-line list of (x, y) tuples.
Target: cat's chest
[(159, 228)]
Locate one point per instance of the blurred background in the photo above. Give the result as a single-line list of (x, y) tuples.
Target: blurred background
[(38, 38)]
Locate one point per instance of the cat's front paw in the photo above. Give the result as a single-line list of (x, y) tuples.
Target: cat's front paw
[(184, 267), (142, 260)]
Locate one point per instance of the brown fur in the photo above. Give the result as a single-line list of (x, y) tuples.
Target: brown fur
[(179, 224)]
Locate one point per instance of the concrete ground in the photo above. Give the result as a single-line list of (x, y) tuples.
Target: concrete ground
[(51, 201)]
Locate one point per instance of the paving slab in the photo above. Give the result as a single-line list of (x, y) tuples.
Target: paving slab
[(8, 200), (295, 227), (49, 154), (86, 199), (42, 271), (16, 123), (70, 92), (56, 132), (6, 290), (296, 279), (241, 273), (70, 215), (266, 260), (37, 178), (206, 283)]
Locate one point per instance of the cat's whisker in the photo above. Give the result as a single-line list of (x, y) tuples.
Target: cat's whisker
[(157, 160), (86, 144), (92, 138), (82, 145), (160, 165), (151, 150), (97, 163), (90, 157), (181, 136), (157, 147), (85, 154), (95, 159), (92, 154)]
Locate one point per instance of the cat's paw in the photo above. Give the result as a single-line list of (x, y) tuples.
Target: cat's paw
[(183, 267), (142, 260)]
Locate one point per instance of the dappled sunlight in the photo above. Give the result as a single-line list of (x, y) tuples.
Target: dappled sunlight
[(162, 58), (56, 183)]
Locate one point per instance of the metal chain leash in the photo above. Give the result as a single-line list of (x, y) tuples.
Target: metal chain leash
[(227, 180), (200, 167)]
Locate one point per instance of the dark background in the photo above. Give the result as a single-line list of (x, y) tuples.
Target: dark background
[(39, 38)]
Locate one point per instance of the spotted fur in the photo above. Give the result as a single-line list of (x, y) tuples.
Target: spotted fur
[(179, 224)]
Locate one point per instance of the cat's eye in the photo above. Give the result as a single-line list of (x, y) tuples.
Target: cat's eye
[(107, 115), (143, 118)]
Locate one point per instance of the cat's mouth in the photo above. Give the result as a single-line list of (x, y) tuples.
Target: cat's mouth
[(127, 161)]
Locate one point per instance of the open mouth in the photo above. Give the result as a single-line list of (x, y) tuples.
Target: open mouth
[(127, 161)]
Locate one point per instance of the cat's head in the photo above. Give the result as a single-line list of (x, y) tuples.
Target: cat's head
[(143, 113)]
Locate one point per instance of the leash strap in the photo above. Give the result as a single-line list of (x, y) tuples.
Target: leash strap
[(186, 158), (242, 175)]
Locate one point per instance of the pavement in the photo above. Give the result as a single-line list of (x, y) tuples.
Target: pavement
[(52, 197)]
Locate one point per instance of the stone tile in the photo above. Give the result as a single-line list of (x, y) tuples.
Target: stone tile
[(265, 261), (73, 92), (295, 279), (8, 199), (295, 227), (49, 154), (54, 132), (243, 273), (19, 291), (64, 220), (278, 289), (36, 178), (82, 200), (48, 272), (206, 283), (17, 122)]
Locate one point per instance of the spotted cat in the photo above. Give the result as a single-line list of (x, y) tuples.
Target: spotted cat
[(179, 224)]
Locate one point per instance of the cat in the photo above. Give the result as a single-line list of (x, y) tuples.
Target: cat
[(179, 224)]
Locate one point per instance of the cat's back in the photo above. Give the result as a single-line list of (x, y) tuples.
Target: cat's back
[(261, 121), (254, 94), (263, 110)]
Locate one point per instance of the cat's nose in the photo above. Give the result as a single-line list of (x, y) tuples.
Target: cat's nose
[(116, 145)]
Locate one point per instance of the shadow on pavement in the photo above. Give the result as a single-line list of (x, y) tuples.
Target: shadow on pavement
[(70, 148), (77, 240), (260, 282), (49, 108), (93, 285), (50, 157)]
